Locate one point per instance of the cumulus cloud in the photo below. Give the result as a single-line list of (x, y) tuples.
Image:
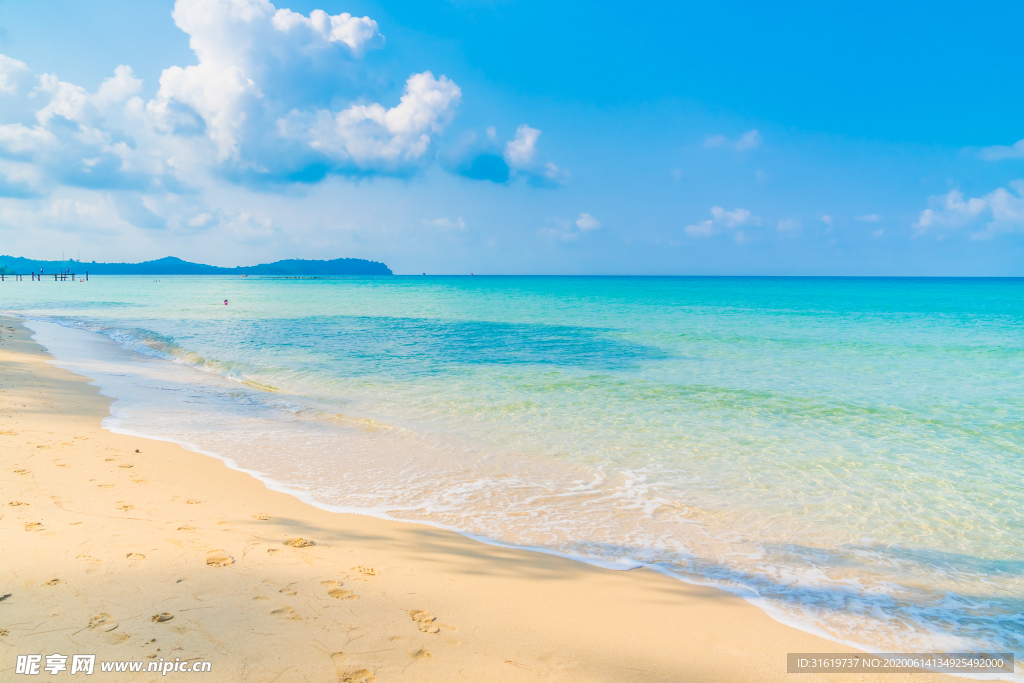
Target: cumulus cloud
[(826, 219), (447, 223), (949, 212), (485, 158), (521, 150), (371, 136), (568, 230), (15, 76), (587, 222), (998, 152), (749, 140), (275, 96), (723, 221)]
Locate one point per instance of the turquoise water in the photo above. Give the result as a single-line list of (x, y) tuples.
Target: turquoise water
[(845, 453)]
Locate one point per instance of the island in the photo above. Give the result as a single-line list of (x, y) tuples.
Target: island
[(170, 265)]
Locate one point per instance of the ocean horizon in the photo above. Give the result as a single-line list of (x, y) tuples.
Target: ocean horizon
[(844, 452)]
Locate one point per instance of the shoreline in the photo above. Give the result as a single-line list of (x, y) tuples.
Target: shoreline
[(126, 533)]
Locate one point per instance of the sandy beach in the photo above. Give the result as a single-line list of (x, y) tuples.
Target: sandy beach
[(132, 549)]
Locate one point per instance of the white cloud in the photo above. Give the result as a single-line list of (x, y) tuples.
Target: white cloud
[(19, 140), (14, 75), (359, 33), (951, 212), (373, 136), (569, 230), (788, 226), (1007, 211), (733, 219), (259, 105), (827, 220), (587, 222), (722, 220), (869, 218), (446, 223), (116, 89), (521, 150), (200, 220), (997, 152), (749, 140), (520, 155)]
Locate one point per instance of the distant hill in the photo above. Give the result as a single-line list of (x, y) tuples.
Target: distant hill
[(175, 266)]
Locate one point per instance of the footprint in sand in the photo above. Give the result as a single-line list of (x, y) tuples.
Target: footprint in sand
[(193, 501), (140, 480), (4, 632), (219, 558), (162, 617), (118, 638), (424, 621), (105, 486), (126, 507), (335, 590), (21, 471), (16, 503), (358, 676), (186, 528), (261, 517), (33, 526), (53, 582), (273, 551), (102, 622), (368, 571), (94, 563), (135, 556), (286, 613), (421, 654), (287, 591), (126, 466), (299, 543)]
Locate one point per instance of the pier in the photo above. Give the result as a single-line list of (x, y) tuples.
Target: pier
[(57, 277)]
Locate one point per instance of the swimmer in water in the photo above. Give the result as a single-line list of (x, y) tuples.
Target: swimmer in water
[(225, 302)]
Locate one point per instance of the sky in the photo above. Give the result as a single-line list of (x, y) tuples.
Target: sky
[(498, 137)]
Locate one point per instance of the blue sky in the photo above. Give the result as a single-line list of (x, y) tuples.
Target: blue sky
[(456, 136)]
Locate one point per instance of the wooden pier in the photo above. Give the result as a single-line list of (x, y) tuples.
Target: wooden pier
[(57, 277)]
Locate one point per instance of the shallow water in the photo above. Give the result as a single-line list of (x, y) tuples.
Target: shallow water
[(846, 453)]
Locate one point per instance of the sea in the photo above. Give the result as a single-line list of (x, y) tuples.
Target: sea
[(844, 453)]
